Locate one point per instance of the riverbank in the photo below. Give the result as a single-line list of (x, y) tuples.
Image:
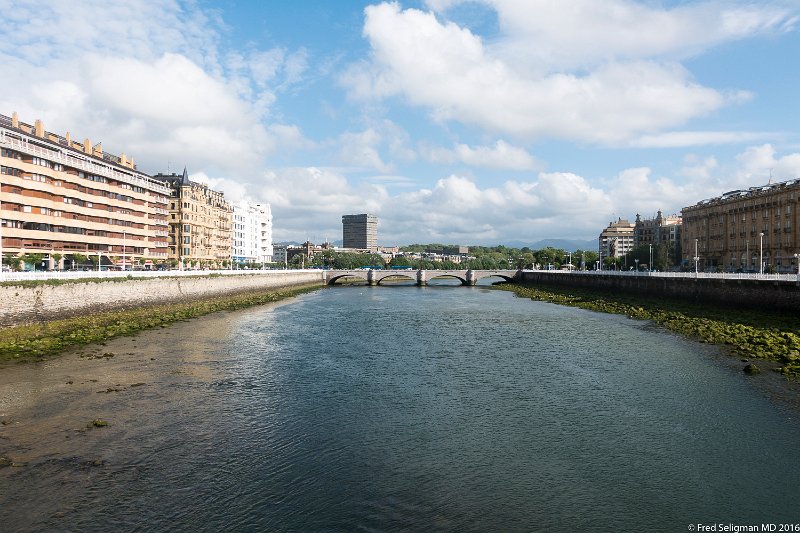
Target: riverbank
[(749, 334), (31, 342)]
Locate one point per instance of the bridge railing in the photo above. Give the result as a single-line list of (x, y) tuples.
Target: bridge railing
[(707, 275), (111, 274)]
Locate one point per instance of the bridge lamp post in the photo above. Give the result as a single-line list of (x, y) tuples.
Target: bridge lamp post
[(761, 254), (637, 266), (696, 258), (650, 264), (797, 258)]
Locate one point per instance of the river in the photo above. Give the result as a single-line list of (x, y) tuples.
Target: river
[(396, 408)]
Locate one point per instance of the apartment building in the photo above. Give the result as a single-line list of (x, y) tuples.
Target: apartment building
[(744, 229), (65, 202), (360, 231), (616, 240), (200, 222), (252, 233), (663, 233)]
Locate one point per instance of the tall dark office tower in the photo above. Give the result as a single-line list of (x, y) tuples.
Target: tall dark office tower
[(360, 231)]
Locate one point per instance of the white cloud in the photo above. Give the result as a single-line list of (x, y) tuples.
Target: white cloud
[(361, 150), (367, 149), (574, 34), (699, 169), (759, 163), (501, 155), (627, 90), (145, 77), (456, 209), (681, 139)]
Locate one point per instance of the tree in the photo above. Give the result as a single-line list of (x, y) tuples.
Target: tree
[(78, 260), (56, 260), (400, 261), (298, 261), (525, 260), (588, 257), (12, 261), (32, 259)]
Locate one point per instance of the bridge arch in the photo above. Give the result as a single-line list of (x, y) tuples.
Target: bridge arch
[(482, 275), (445, 275), (354, 274), (404, 276)]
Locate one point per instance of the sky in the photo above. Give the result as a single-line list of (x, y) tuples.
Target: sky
[(454, 121)]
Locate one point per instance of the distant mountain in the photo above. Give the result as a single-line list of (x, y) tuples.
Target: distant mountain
[(568, 245)]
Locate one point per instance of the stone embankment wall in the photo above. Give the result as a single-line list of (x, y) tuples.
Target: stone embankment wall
[(748, 293), (19, 305)]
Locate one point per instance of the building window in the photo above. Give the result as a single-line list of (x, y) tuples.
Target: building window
[(9, 171)]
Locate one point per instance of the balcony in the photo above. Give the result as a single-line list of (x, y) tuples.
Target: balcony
[(79, 161)]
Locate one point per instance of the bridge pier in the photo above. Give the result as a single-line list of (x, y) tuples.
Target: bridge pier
[(371, 281), (471, 278), (421, 281)]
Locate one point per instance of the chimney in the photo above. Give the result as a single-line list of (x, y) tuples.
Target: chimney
[(39, 128), (87, 146), (14, 120)]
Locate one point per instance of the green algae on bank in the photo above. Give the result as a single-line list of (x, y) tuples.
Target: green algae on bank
[(747, 333), (32, 342)]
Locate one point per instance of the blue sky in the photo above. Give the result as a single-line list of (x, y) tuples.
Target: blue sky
[(471, 122)]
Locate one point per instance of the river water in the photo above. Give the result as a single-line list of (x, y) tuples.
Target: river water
[(396, 408)]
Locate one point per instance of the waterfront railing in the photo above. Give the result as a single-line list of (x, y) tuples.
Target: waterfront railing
[(111, 274)]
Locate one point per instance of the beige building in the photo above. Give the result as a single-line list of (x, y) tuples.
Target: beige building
[(662, 234), (63, 202), (742, 229), (616, 240), (200, 221)]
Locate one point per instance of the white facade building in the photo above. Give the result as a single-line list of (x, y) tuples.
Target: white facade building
[(252, 232), (616, 240)]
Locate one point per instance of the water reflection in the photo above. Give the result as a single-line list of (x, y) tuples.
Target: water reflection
[(418, 408)]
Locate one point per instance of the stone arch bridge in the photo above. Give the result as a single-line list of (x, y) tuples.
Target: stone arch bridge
[(376, 276)]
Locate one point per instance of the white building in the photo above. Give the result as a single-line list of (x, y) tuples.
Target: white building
[(616, 240), (252, 232)]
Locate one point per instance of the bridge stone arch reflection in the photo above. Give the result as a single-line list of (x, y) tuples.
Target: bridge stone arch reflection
[(421, 277)]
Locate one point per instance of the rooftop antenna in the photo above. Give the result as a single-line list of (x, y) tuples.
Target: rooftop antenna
[(770, 177)]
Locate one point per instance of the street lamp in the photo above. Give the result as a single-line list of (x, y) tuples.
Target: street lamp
[(637, 266), (761, 253), (696, 258), (124, 262), (797, 258), (650, 264)]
